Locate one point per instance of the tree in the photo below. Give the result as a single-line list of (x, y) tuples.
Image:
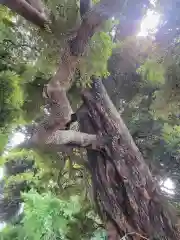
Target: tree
[(119, 172)]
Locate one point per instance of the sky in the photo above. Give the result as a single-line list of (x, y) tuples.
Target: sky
[(168, 186)]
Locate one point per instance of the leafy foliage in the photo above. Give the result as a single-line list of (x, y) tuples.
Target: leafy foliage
[(47, 217), (11, 98), (100, 47), (171, 135), (152, 71), (46, 222)]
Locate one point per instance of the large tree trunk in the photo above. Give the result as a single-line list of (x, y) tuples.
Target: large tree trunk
[(127, 197)]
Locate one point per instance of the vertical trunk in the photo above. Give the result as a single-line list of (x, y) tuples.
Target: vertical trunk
[(125, 193)]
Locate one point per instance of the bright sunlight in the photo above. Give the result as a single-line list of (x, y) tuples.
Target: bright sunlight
[(149, 23)]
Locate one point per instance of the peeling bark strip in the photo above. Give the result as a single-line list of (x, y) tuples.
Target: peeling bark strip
[(124, 188)]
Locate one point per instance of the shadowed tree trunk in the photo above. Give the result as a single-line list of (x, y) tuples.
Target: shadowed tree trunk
[(126, 195)]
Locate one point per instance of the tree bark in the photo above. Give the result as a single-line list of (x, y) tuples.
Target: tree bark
[(29, 12), (126, 195)]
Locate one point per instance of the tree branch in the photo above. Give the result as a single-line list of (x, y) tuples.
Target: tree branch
[(37, 4), (62, 140), (26, 10), (71, 137)]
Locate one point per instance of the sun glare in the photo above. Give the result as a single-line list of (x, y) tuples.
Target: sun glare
[(2, 225), (17, 138), (1, 173), (149, 23), (168, 186)]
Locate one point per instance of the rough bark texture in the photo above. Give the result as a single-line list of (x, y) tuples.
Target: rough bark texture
[(125, 191), (26, 10)]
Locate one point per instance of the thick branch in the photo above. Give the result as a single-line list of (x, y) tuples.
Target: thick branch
[(102, 11), (60, 113), (91, 22), (29, 12), (72, 137), (37, 4), (61, 140)]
